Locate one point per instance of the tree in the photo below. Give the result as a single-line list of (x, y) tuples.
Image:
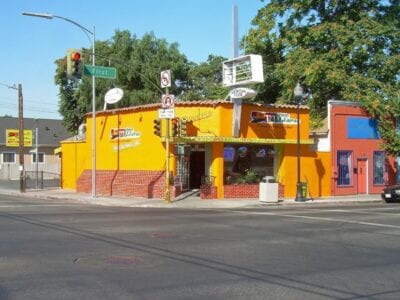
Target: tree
[(138, 62), (204, 80), (338, 49)]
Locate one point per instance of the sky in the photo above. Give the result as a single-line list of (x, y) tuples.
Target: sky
[(31, 45)]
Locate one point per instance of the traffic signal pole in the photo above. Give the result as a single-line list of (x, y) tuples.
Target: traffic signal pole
[(167, 195)]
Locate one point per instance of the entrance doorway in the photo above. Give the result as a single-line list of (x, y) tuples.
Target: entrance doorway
[(362, 176), (197, 168)]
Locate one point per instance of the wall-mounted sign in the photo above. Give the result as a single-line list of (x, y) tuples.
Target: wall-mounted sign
[(271, 118), (123, 134), (12, 138), (242, 93)]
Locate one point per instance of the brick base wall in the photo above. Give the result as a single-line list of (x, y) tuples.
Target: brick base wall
[(208, 192), (241, 191), (143, 184), (248, 191)]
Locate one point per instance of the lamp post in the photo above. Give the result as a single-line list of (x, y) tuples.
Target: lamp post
[(298, 95), (92, 40)]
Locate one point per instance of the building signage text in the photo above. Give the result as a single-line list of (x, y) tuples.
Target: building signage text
[(271, 118)]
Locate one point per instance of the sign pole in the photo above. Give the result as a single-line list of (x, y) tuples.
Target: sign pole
[(21, 139), (166, 83)]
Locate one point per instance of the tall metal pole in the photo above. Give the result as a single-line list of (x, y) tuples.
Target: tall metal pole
[(21, 139), (93, 41), (167, 196), (37, 153), (93, 118), (298, 94)]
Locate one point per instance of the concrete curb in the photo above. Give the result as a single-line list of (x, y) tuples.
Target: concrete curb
[(190, 202)]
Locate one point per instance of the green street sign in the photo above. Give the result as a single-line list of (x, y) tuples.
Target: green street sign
[(99, 71)]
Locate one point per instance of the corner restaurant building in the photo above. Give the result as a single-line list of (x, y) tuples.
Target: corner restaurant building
[(222, 142)]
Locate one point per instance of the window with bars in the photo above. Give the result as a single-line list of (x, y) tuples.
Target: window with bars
[(379, 167), (344, 166), (8, 157)]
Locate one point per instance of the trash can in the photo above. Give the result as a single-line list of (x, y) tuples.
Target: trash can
[(303, 189), (268, 191)]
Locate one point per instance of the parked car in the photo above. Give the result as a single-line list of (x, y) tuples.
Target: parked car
[(391, 193)]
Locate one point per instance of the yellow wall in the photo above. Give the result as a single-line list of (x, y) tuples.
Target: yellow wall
[(73, 158), (315, 171), (142, 150)]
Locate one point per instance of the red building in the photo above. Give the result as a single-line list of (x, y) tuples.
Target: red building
[(359, 165)]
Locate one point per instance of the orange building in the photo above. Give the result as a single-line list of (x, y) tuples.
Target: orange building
[(221, 148)]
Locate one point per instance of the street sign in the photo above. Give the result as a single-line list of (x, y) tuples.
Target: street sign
[(167, 101), (99, 71), (168, 113), (166, 79)]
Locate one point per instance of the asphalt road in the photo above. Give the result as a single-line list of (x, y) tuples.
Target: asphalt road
[(53, 249)]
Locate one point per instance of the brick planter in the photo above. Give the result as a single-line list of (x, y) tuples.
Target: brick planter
[(241, 191)]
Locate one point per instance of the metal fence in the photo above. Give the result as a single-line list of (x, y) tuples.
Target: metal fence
[(40, 180)]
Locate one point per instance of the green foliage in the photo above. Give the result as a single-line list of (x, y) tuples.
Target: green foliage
[(248, 177), (346, 50), (139, 63)]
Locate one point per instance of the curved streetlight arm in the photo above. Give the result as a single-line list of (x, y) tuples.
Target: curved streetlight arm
[(50, 16)]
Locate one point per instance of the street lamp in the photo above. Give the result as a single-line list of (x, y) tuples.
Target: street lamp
[(92, 40), (298, 95)]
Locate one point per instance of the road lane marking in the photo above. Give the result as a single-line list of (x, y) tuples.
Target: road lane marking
[(353, 211), (39, 205), (319, 219)]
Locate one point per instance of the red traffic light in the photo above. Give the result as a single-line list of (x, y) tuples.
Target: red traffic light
[(76, 56)]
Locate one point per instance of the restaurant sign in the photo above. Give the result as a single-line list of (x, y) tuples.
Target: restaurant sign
[(271, 118)]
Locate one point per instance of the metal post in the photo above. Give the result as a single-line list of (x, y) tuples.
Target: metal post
[(21, 139), (37, 153), (167, 196), (93, 119), (298, 93)]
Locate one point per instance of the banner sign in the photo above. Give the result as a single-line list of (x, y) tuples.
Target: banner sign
[(271, 118), (12, 138)]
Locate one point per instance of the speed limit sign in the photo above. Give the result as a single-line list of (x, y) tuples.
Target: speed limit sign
[(166, 78)]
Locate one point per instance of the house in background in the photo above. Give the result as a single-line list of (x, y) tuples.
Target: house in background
[(49, 134)]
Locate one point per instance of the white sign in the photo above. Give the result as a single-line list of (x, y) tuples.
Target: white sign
[(168, 113), (243, 70), (166, 79), (167, 101), (242, 93), (113, 95)]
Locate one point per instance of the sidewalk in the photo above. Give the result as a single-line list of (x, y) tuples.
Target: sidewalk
[(188, 200)]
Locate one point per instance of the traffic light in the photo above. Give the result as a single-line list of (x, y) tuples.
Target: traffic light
[(175, 127), (74, 64), (157, 127), (183, 127)]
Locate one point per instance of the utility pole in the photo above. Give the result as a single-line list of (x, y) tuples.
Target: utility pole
[(21, 139)]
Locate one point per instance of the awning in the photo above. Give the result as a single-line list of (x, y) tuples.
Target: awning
[(57, 150), (211, 139)]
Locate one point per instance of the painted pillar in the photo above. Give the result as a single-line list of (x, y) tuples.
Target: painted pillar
[(217, 168)]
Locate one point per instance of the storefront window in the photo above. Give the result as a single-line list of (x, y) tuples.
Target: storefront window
[(379, 167), (248, 163), (344, 167)]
